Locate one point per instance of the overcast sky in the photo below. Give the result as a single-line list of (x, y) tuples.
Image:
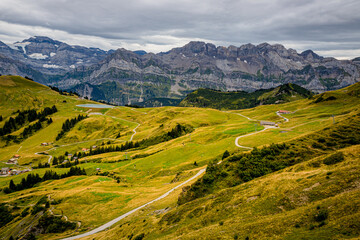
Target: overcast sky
[(330, 28)]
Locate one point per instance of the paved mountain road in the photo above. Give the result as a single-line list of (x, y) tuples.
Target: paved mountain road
[(265, 128)]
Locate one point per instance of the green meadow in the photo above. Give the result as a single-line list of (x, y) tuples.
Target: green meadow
[(117, 182)]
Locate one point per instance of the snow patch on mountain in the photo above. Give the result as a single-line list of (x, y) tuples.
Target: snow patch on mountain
[(38, 56), (51, 66), (19, 45)]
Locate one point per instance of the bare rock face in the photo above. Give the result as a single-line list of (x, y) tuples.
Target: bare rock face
[(124, 76), (50, 56)]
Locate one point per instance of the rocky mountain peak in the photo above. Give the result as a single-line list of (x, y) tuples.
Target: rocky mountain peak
[(194, 47), (41, 39), (310, 55)]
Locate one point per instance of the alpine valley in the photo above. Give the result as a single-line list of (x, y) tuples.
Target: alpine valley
[(72, 168), (136, 77)]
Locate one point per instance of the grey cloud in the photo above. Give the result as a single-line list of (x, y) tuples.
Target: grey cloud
[(140, 22)]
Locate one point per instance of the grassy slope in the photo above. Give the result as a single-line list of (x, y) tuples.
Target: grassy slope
[(240, 100), (281, 205), (88, 199)]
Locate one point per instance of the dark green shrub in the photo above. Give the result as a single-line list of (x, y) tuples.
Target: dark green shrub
[(53, 224), (5, 215), (335, 158), (226, 154), (140, 236), (25, 212), (321, 216)]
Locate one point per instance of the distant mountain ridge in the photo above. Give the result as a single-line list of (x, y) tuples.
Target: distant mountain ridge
[(136, 76), (240, 99), (49, 56)]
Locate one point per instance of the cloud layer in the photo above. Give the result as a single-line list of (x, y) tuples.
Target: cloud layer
[(328, 27)]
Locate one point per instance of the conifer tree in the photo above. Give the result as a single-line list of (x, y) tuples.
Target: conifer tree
[(12, 185)]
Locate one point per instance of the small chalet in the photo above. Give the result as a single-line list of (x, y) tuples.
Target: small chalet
[(16, 156), (15, 172), (266, 123), (284, 112), (44, 144), (85, 149), (12, 161), (97, 169), (93, 147), (5, 171)]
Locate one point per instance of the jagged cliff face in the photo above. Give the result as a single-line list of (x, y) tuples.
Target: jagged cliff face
[(126, 77), (197, 64)]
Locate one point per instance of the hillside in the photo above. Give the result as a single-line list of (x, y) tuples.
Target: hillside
[(126, 157), (240, 100), (300, 189)]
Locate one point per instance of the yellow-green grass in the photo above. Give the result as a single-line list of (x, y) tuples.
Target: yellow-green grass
[(204, 145), (281, 205), (142, 179)]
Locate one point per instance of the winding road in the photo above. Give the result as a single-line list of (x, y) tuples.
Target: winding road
[(42, 154), (112, 222), (286, 119), (237, 139), (265, 128)]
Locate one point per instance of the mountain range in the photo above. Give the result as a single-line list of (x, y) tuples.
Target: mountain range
[(128, 77)]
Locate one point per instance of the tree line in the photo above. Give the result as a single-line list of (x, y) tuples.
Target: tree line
[(63, 92), (178, 131), (35, 127), (65, 165), (100, 150), (31, 179), (25, 116), (69, 124)]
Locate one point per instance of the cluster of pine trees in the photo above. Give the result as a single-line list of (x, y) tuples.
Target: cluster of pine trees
[(62, 92), (67, 164), (31, 179), (26, 116), (69, 124), (35, 127), (178, 131), (58, 160), (100, 150), (40, 165)]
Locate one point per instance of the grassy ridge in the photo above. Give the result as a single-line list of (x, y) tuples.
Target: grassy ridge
[(240, 100)]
